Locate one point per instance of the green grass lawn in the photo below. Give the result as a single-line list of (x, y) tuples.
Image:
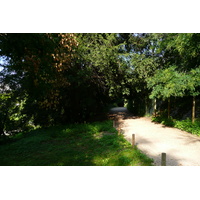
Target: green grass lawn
[(95, 144)]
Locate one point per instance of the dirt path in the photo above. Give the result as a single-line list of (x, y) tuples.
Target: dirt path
[(181, 148)]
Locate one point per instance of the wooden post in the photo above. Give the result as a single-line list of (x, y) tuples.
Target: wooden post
[(163, 159), (133, 140), (114, 124)]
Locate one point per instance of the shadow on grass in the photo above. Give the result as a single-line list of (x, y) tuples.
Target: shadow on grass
[(95, 144)]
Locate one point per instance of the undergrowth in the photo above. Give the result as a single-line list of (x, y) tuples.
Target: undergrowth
[(185, 125), (164, 120)]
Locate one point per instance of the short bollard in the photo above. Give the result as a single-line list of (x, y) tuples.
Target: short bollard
[(114, 124), (119, 131), (163, 159), (133, 140)]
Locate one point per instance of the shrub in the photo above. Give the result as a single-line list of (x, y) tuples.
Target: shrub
[(187, 125), (165, 121)]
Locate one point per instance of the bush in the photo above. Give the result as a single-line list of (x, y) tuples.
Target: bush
[(165, 121), (185, 125)]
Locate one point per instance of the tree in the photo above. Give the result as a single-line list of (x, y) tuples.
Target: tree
[(65, 77), (11, 117), (193, 83), (168, 83), (37, 64), (143, 63), (101, 53)]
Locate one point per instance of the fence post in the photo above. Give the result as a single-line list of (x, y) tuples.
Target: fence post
[(133, 140), (163, 159)]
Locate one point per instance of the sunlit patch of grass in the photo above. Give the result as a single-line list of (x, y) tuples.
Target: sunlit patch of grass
[(126, 157)]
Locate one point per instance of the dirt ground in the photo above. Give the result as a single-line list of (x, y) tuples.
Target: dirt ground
[(181, 148)]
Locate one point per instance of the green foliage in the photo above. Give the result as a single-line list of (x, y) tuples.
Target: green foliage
[(65, 77), (143, 63), (101, 53), (188, 46), (144, 66), (189, 126), (180, 61), (71, 145), (12, 119), (193, 82), (69, 78), (167, 82), (164, 120), (185, 125)]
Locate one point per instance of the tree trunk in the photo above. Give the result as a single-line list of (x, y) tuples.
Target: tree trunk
[(168, 108), (146, 106), (193, 109), (2, 132)]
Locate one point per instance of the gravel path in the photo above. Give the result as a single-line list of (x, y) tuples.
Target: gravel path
[(181, 148)]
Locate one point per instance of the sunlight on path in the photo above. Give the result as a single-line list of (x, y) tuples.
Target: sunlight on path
[(181, 147)]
